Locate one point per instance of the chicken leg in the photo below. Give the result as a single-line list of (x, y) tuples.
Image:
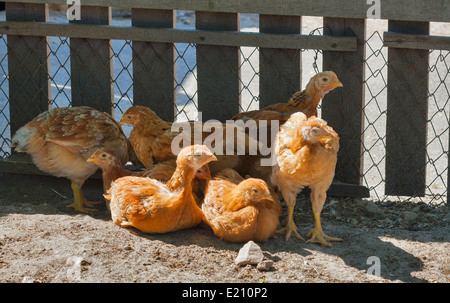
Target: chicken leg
[(79, 201), (316, 234), (290, 226)]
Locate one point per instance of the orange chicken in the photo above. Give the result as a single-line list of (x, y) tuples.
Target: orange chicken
[(240, 210), (60, 141), (306, 152), (305, 101), (151, 206), (112, 169), (152, 138)]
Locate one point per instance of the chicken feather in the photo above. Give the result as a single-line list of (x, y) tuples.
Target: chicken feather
[(306, 151), (240, 210), (60, 141), (151, 206), (152, 138)]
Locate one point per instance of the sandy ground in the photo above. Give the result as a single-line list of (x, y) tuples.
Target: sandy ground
[(43, 241)]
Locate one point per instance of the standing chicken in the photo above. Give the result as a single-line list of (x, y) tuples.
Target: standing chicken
[(240, 210), (60, 141), (152, 138), (306, 151), (151, 206), (305, 101)]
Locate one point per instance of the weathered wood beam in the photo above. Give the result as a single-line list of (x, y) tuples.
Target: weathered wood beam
[(412, 41), (405, 10), (165, 35)]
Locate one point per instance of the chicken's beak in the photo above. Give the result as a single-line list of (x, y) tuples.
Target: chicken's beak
[(337, 84), (266, 195), (325, 134), (93, 159)]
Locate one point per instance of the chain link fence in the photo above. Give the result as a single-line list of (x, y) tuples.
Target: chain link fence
[(374, 109)]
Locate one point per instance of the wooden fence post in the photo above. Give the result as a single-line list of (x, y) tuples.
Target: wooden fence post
[(28, 67), (343, 107), (407, 115), (280, 69), (154, 69), (91, 64), (218, 69)]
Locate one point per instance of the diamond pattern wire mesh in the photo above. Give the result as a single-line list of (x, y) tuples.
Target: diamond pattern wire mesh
[(374, 130)]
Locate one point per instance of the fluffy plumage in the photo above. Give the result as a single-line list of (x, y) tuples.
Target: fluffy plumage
[(240, 210), (60, 141), (152, 138), (112, 169), (151, 206), (305, 101), (306, 151)]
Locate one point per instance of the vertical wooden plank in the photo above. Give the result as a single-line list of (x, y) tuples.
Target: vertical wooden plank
[(154, 69), (280, 69), (218, 69), (407, 115), (91, 64), (28, 67), (343, 107)]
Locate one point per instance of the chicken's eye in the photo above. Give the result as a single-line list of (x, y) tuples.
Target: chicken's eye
[(324, 79), (129, 117), (255, 191), (103, 155)]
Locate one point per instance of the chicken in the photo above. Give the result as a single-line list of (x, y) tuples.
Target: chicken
[(305, 101), (240, 210), (151, 206), (306, 152), (112, 169), (152, 138), (60, 141)]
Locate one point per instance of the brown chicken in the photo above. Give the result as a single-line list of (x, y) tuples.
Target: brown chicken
[(306, 151), (150, 206), (60, 141), (240, 210), (112, 169), (305, 101), (152, 138)]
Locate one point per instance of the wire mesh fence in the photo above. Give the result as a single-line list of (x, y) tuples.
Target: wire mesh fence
[(186, 83)]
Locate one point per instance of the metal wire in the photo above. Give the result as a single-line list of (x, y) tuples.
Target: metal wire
[(374, 110)]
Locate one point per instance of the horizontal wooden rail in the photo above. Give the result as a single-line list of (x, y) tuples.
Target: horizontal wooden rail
[(22, 164), (413, 41), (223, 38), (405, 10)]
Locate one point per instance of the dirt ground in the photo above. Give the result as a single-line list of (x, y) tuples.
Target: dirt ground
[(41, 240)]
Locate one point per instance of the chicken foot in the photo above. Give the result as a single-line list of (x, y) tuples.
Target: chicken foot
[(316, 234), (79, 201), (290, 226)]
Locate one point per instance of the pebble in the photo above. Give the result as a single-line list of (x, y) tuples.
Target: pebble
[(409, 216), (264, 265), (250, 253), (373, 210)]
